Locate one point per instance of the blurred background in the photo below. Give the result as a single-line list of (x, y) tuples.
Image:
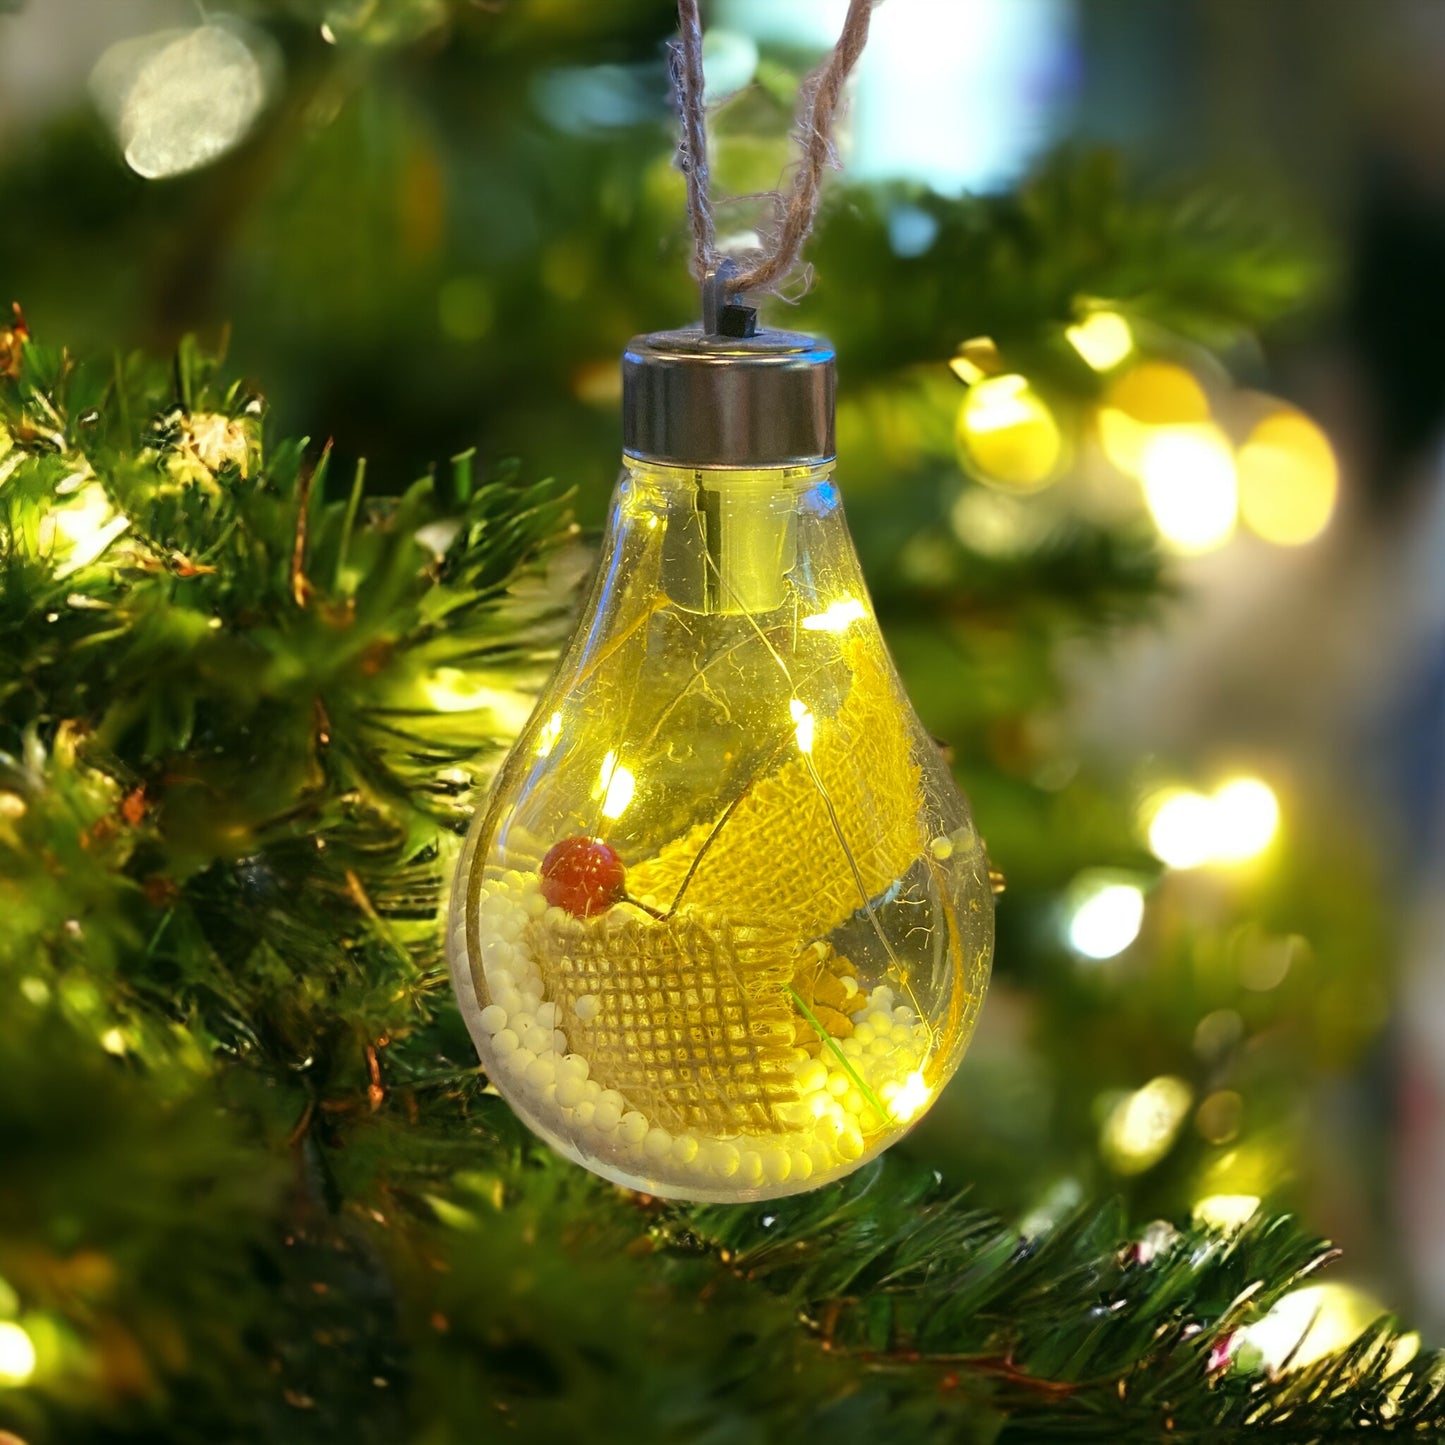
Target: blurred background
[(1139, 312)]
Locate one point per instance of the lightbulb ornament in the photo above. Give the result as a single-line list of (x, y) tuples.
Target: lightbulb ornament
[(723, 926)]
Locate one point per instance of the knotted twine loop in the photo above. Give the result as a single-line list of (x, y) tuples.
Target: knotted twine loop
[(818, 101)]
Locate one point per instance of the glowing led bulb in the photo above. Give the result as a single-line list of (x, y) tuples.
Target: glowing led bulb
[(1007, 433), (1102, 338), (702, 931), (17, 1354), (1191, 486)]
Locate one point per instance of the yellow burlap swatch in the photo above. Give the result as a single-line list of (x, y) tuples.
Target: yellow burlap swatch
[(781, 854), (688, 1018)]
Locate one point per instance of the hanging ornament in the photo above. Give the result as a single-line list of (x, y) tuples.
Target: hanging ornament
[(723, 927)]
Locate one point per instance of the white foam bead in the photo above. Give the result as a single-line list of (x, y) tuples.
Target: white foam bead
[(802, 1164), (521, 1060), (531, 1001), (777, 1163), (657, 1144), (582, 1111), (534, 904), (880, 1048), (586, 1007), (606, 1115), (633, 1127), (611, 1096), (723, 1159), (573, 1066), (542, 1071), (556, 917), (493, 1018), (794, 1114), (547, 1015), (850, 986), (569, 1090), (559, 1042), (903, 1014), (538, 1039), (850, 1142), (505, 1041), (863, 1034), (853, 1101), (508, 998), (750, 1166), (496, 904), (591, 1090), (851, 1048), (901, 1034), (838, 1083), (684, 1148), (812, 1076), (881, 997)]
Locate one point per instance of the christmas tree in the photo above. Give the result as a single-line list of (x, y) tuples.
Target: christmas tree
[(254, 1184)]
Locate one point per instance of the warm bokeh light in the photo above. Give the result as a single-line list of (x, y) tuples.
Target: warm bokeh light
[(1106, 917), (180, 99), (1309, 1323), (1187, 829), (1103, 339), (1180, 828), (1191, 486), (450, 689), (17, 1354), (1226, 1212), (976, 359), (1007, 433), (1246, 818), (1151, 395), (1142, 1127), (1288, 479)]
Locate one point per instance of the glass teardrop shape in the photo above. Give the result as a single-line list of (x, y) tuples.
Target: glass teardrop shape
[(723, 927)]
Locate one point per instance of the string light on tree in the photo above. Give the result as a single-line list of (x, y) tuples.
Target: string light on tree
[(1142, 1127), (1105, 915), (1148, 396), (1190, 486), (746, 958), (1188, 829), (1288, 479), (1103, 339), (17, 1354), (1007, 435)]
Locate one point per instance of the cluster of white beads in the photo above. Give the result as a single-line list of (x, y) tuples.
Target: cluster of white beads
[(840, 1092)]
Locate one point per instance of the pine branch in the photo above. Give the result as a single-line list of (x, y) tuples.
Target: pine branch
[(254, 1185)]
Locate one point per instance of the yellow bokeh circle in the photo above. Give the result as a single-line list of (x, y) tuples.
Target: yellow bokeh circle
[(1007, 434), (1288, 479)]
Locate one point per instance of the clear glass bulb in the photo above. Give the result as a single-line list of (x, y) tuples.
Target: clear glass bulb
[(723, 927)]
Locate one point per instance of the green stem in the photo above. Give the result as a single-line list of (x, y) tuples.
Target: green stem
[(830, 1043)]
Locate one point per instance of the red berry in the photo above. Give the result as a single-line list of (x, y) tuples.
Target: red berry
[(584, 876)]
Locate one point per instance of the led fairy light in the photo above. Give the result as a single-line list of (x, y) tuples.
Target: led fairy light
[(723, 927)]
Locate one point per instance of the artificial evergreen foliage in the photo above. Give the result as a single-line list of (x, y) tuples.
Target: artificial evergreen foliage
[(252, 1184)]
